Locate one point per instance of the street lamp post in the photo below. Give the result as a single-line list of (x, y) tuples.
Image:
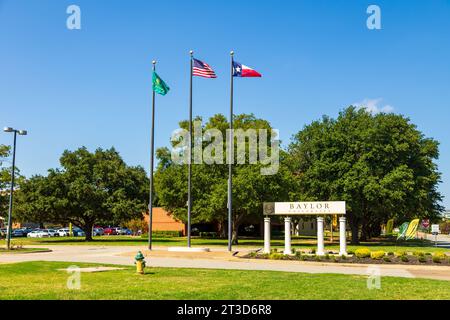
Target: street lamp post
[(22, 133)]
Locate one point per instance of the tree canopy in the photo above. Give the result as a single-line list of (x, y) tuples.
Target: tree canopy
[(210, 181), (88, 189), (381, 165)]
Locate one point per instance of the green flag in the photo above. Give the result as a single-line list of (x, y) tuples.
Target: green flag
[(159, 86), (402, 230)]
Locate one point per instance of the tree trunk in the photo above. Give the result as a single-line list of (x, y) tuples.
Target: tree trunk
[(234, 238), (364, 231), (363, 234), (235, 233), (88, 231), (354, 228), (222, 229)]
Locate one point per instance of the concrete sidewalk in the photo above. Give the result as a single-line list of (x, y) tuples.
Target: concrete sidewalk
[(218, 259)]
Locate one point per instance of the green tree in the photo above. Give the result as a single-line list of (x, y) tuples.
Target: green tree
[(381, 165), (89, 188), (209, 182), (5, 179), (5, 174)]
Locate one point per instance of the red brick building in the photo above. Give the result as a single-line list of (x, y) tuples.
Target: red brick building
[(163, 221)]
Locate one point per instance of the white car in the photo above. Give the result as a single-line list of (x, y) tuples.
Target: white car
[(38, 234), (64, 232), (52, 232)]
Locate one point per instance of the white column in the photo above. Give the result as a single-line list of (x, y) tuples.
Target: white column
[(320, 248), (342, 238), (287, 235), (267, 235)]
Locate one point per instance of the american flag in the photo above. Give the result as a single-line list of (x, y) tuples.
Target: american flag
[(201, 69)]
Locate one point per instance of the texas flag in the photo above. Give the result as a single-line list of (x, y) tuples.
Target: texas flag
[(240, 70)]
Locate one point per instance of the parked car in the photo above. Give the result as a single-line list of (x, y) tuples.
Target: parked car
[(26, 231), (98, 232), (64, 232), (33, 234), (52, 232), (122, 231), (18, 233), (38, 234), (77, 232), (110, 231)]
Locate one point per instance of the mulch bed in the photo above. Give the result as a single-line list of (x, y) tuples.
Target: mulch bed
[(412, 260)]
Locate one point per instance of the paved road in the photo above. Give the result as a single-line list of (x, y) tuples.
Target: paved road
[(443, 240), (218, 259)]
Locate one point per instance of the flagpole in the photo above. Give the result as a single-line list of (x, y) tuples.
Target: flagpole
[(230, 161), (152, 146), (190, 160)]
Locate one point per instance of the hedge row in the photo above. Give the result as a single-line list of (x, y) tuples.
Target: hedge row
[(164, 234)]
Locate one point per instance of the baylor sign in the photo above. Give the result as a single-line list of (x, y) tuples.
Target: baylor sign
[(288, 209), (304, 208)]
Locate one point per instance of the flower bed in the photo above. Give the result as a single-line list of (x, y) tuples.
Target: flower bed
[(363, 256)]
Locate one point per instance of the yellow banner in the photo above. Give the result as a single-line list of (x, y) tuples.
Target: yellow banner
[(412, 229)]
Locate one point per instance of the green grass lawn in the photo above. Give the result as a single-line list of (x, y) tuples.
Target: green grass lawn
[(43, 280), (297, 242)]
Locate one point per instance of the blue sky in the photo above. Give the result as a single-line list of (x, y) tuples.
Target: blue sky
[(91, 87)]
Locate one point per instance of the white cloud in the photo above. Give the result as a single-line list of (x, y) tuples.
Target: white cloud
[(374, 106)]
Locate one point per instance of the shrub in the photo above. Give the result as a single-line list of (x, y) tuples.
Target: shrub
[(344, 257), (441, 255), (438, 256), (400, 254), (298, 254), (294, 250), (253, 254), (276, 256), (362, 253), (313, 251), (404, 258), (351, 252), (422, 259), (209, 235), (327, 257), (163, 234), (390, 253), (386, 259), (419, 253), (318, 258), (445, 227), (136, 225), (436, 259), (377, 255), (428, 253)]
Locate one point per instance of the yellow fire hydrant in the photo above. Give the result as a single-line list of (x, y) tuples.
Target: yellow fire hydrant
[(140, 263)]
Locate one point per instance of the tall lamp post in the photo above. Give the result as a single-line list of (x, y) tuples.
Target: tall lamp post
[(22, 133)]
